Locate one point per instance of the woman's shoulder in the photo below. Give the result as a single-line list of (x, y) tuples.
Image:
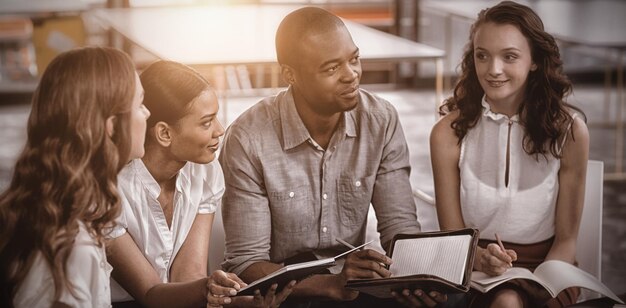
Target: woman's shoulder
[(577, 136), (443, 127)]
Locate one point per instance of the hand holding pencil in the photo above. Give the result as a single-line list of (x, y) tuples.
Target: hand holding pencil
[(495, 259)]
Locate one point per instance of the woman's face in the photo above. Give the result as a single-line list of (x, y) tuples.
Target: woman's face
[(196, 136), (138, 116), (503, 59)]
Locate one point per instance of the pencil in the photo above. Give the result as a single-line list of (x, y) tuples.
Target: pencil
[(500, 242), (502, 246)]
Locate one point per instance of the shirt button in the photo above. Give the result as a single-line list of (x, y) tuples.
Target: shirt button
[(324, 229), (358, 183), (325, 196), (291, 194)]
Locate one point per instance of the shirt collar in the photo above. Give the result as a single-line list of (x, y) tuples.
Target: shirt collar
[(182, 179), (293, 129), (146, 178), (498, 117)]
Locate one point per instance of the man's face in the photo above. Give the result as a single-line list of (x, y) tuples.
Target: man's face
[(328, 72)]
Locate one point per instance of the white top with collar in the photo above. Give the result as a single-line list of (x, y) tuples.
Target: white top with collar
[(87, 270), (199, 190), (522, 212)]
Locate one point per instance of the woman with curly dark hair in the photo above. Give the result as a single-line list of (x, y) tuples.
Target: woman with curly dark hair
[(87, 121), (510, 155)]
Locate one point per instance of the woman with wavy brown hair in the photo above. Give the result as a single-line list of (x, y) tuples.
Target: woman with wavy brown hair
[(87, 121), (510, 155)]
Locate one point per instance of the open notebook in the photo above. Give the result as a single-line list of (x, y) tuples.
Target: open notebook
[(291, 272), (440, 261)]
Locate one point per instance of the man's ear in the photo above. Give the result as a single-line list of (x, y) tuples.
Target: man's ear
[(163, 134), (288, 74), (110, 125)]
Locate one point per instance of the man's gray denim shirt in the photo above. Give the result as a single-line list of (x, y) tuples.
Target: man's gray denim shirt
[(286, 195)]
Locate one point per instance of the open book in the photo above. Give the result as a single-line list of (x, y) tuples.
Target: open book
[(553, 275), (440, 261), (291, 272)]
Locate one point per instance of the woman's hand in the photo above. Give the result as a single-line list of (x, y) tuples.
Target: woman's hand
[(221, 286), (493, 260)]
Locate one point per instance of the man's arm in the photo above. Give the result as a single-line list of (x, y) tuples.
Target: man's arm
[(245, 206), (248, 225), (392, 197)]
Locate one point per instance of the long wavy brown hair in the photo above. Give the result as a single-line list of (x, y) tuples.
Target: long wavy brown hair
[(544, 114), (67, 172)]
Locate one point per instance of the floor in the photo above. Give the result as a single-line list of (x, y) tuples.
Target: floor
[(416, 109)]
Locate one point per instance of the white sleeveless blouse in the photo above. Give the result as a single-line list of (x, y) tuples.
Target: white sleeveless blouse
[(522, 212)]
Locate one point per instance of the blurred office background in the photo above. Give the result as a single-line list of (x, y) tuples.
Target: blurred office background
[(415, 78)]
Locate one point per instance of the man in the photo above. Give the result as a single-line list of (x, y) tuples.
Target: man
[(302, 167)]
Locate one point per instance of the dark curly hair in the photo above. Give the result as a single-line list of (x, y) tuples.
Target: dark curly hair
[(543, 113)]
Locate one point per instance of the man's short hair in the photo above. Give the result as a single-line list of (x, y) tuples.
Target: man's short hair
[(297, 26)]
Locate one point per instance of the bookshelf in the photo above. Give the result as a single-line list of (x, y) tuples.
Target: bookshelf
[(18, 68)]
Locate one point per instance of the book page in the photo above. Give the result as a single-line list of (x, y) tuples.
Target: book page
[(296, 266), (561, 275), (442, 256), (484, 282)]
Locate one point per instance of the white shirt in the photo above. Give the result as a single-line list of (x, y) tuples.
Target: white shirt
[(199, 189), (87, 270), (522, 212)]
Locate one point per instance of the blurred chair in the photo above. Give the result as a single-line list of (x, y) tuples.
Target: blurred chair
[(589, 243)]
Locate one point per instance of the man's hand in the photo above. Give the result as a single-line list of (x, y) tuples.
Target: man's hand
[(419, 298), (366, 264), (270, 300), (363, 264)]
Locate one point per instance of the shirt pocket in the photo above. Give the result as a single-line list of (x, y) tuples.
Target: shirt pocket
[(354, 195), (292, 210)]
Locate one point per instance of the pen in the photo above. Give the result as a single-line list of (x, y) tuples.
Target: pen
[(502, 246), (352, 247), (345, 243)]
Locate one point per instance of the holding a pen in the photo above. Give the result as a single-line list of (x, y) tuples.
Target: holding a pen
[(495, 259)]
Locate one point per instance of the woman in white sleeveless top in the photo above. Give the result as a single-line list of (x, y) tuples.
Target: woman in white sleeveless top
[(510, 155)]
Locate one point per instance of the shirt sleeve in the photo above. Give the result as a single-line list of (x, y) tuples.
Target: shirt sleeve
[(120, 223), (245, 206), (392, 197), (213, 188)]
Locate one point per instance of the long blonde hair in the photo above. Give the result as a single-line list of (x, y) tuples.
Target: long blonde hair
[(67, 172)]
